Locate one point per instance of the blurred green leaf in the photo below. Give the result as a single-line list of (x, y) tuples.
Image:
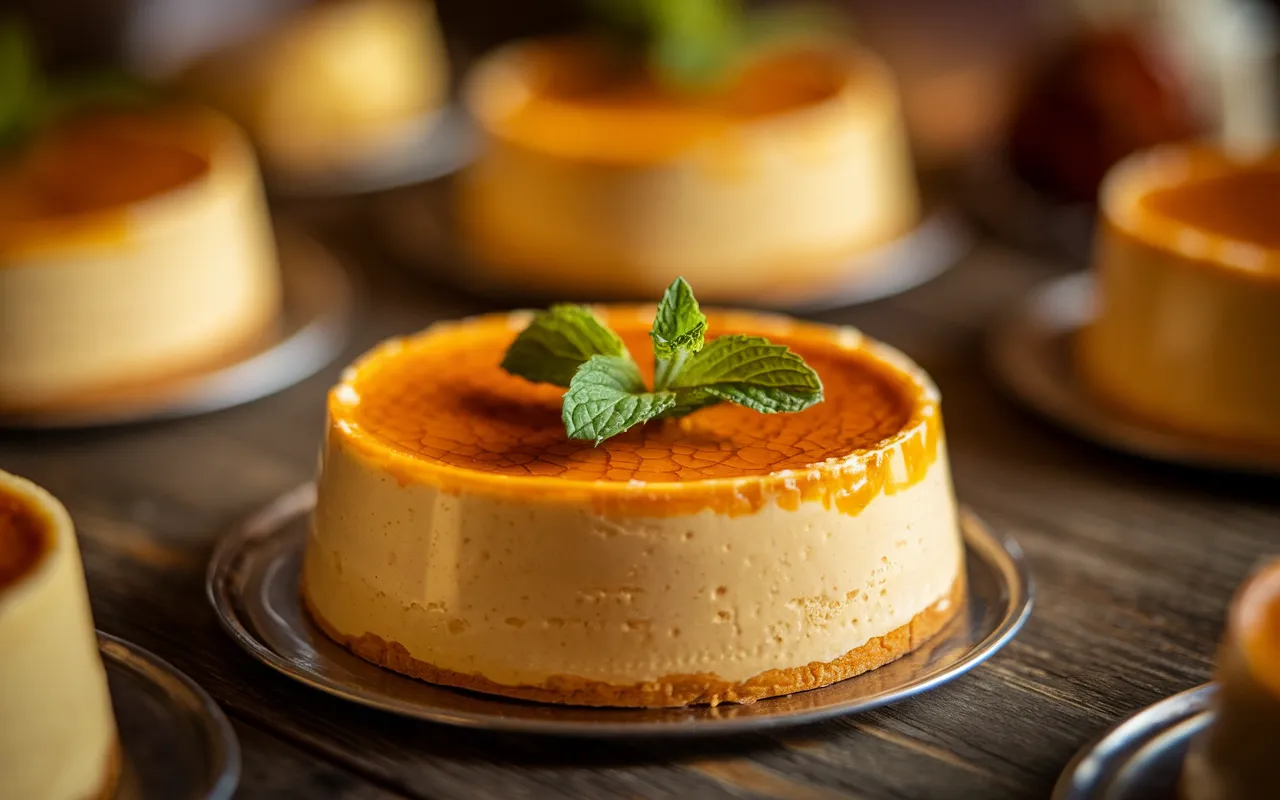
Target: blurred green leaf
[(17, 81)]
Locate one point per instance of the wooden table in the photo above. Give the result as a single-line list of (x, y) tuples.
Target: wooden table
[(1134, 562)]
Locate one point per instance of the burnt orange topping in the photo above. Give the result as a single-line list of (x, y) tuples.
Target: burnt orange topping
[(578, 98), (1242, 204), (442, 400), (23, 539), (1257, 622), (97, 163)]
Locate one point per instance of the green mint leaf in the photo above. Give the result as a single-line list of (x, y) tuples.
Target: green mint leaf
[(679, 331), (753, 372), (607, 396), (557, 342), (17, 82)]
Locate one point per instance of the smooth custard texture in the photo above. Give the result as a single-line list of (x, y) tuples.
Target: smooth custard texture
[(57, 732), (134, 246), (598, 180), (1187, 329), (459, 535)]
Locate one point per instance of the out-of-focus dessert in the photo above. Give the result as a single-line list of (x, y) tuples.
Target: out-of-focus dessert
[(460, 537), (57, 731), (336, 82), (135, 247), (1187, 327), (1235, 759), (603, 177), (1103, 94)]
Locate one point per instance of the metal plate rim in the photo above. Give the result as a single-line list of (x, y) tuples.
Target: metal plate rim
[(293, 357), (224, 755), (1001, 553), (1022, 356), (1109, 753)]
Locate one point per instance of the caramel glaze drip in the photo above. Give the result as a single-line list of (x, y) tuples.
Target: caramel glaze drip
[(439, 409), (23, 538)]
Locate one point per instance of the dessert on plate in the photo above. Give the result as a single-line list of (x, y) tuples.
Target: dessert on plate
[(135, 247), (602, 177), (485, 530), (1187, 327), (329, 84), (57, 730), (1235, 759)]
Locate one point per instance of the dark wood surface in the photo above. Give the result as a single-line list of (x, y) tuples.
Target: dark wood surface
[(1135, 563)]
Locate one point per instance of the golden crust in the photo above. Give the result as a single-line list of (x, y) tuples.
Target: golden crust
[(670, 690)]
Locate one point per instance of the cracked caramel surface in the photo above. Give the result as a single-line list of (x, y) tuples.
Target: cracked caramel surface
[(441, 397)]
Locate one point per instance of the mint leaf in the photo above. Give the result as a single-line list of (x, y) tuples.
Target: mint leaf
[(557, 342), (679, 330), (17, 82), (607, 396), (751, 371)]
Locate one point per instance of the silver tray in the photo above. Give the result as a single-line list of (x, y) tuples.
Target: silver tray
[(1030, 353), (416, 225), (427, 148), (175, 742), (317, 304), (1141, 758), (253, 586)]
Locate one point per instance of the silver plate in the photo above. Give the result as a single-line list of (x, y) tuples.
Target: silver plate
[(1030, 352), (175, 742), (316, 308), (427, 148), (1141, 758), (417, 226), (253, 586)]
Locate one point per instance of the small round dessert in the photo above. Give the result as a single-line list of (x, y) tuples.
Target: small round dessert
[(1235, 759), (461, 538), (1187, 328), (329, 84), (598, 182), (57, 731), (135, 247)]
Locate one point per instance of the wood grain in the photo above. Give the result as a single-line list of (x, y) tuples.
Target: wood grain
[(1135, 562)]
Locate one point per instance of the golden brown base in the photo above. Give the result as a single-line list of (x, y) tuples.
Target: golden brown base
[(669, 690)]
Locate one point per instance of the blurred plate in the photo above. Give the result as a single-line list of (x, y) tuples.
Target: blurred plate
[(427, 148), (253, 584), (1141, 758), (317, 304), (175, 742), (416, 225), (1030, 352)]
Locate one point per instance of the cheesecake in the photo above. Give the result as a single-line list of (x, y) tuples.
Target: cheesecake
[(1186, 331), (329, 84), (598, 180), (461, 538), (1235, 759), (135, 248), (57, 731)]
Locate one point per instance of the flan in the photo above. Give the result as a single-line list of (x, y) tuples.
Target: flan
[(135, 246), (1235, 759), (57, 731), (1186, 333), (596, 180), (329, 84), (459, 537)]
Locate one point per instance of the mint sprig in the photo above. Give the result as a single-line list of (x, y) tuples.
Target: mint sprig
[(569, 346)]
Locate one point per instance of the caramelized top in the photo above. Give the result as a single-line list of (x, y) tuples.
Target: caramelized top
[(438, 407), (1255, 618), (23, 537), (96, 163), (578, 99), (1194, 200)]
